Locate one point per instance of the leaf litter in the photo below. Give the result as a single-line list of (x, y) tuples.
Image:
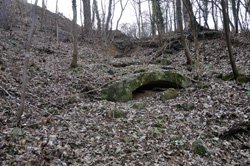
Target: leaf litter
[(64, 125)]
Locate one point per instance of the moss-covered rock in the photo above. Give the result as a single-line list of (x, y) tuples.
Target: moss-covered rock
[(184, 106), (122, 90), (228, 77), (171, 93), (200, 148), (119, 114), (242, 79), (139, 105), (140, 70), (188, 106)]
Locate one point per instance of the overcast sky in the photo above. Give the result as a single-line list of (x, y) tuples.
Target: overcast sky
[(65, 7)]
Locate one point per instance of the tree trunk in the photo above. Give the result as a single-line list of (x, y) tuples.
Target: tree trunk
[(81, 19), (214, 15), (87, 17), (228, 39), (179, 17), (27, 56), (159, 16), (176, 26), (195, 28), (139, 18), (205, 13), (185, 15), (75, 51), (234, 9), (42, 16), (166, 15), (98, 18), (108, 18), (153, 20)]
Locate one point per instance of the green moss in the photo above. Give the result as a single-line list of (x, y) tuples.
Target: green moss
[(157, 124), (119, 114), (122, 90), (209, 66), (18, 133), (241, 71), (84, 107), (242, 79), (11, 149), (184, 106), (143, 69), (202, 86), (188, 106), (228, 77), (2, 68), (178, 106), (200, 148), (163, 118), (139, 105), (81, 95), (171, 93)]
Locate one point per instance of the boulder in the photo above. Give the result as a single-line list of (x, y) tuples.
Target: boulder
[(200, 148), (171, 93), (123, 90)]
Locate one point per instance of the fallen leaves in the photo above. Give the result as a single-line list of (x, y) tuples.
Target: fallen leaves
[(63, 127)]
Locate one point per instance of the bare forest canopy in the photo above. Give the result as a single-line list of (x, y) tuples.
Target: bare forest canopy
[(144, 18)]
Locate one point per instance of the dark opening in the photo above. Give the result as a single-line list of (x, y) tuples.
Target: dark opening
[(150, 90)]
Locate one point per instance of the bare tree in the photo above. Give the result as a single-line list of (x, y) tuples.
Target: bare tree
[(156, 6), (81, 18), (185, 15), (87, 17), (122, 10), (228, 39), (137, 8), (195, 28), (43, 14), (175, 17), (75, 49), (108, 18), (214, 15), (98, 18), (235, 9), (152, 17), (179, 17), (27, 56)]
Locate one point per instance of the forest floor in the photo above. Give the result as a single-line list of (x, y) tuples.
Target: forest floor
[(63, 124)]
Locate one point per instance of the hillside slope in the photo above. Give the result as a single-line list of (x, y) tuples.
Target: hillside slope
[(66, 122)]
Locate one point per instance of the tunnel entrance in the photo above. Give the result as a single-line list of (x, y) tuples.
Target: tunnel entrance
[(152, 89)]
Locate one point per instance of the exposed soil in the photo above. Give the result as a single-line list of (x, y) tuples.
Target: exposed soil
[(66, 122)]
